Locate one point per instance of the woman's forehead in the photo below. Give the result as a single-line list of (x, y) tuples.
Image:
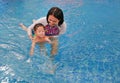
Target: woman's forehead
[(51, 17)]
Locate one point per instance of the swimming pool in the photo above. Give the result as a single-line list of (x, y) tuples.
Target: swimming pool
[(89, 52)]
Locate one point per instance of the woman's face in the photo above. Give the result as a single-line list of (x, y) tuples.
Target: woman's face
[(52, 20)]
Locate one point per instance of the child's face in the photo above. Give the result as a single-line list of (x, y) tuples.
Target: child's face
[(52, 20), (40, 31)]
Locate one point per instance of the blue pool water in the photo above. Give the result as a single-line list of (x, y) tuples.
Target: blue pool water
[(89, 51)]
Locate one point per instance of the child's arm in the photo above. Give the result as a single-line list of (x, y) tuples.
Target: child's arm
[(26, 29), (32, 47), (23, 26)]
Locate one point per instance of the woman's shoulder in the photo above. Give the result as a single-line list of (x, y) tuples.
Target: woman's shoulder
[(63, 28), (63, 25), (42, 20)]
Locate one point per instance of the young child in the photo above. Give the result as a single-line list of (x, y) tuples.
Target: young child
[(38, 37)]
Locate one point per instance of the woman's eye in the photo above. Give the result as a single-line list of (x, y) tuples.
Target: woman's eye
[(52, 20)]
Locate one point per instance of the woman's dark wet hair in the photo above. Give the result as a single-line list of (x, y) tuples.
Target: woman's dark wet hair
[(57, 13), (38, 25)]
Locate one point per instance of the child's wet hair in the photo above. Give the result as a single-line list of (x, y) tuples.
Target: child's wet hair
[(57, 13), (38, 25)]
